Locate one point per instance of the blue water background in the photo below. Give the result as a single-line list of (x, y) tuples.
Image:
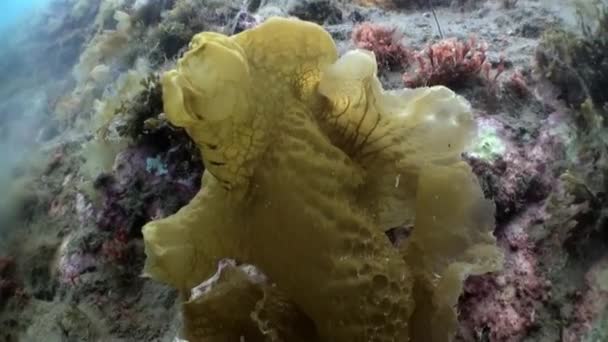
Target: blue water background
[(11, 11)]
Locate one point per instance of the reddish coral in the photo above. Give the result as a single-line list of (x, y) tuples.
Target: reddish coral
[(518, 85), (491, 80), (384, 42), (449, 62)]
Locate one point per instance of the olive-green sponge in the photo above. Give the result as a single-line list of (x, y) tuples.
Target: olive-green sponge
[(308, 162)]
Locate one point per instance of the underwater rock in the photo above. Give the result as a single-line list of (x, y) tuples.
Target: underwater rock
[(421, 4), (39, 280), (318, 11), (136, 192), (150, 12), (244, 21), (308, 162), (591, 306), (8, 286), (62, 322), (570, 239), (578, 64), (516, 175), (73, 265), (502, 306)]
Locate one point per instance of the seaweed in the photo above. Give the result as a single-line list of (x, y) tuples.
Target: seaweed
[(578, 63)]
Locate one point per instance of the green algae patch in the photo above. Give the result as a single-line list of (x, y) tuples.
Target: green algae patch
[(488, 145)]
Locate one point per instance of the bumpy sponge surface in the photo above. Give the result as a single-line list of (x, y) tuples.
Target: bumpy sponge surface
[(308, 162)]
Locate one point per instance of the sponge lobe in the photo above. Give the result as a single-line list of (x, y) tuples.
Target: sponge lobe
[(308, 162)]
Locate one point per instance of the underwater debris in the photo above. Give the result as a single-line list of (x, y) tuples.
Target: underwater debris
[(328, 256)]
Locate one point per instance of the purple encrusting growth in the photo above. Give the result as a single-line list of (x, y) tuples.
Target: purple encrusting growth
[(134, 194), (503, 306), (526, 171)]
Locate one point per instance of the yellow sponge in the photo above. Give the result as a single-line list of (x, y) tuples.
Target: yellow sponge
[(308, 162)]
